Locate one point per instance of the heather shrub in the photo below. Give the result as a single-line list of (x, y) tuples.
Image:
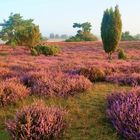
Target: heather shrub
[(22, 68), (11, 91), (124, 79), (93, 73), (127, 67), (121, 54), (5, 73), (56, 84), (37, 122), (123, 110), (47, 50)]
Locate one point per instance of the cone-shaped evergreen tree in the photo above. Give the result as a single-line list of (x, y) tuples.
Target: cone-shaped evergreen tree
[(111, 29)]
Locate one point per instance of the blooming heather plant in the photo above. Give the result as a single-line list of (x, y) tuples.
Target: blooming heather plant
[(5, 73), (37, 122), (11, 91), (56, 84), (123, 109), (126, 79)]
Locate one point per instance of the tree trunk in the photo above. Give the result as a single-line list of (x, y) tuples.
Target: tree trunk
[(110, 56)]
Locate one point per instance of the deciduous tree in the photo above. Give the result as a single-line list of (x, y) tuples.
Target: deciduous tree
[(19, 31)]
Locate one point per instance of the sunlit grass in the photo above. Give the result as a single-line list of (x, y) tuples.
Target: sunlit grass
[(86, 118)]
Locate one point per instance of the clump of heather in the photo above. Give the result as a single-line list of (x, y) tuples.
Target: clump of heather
[(5, 73), (125, 79), (123, 110), (37, 122), (93, 73), (11, 91), (56, 84)]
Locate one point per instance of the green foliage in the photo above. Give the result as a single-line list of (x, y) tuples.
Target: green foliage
[(86, 27), (44, 38), (137, 37), (34, 52), (39, 49), (17, 31), (47, 50), (29, 36), (84, 34), (51, 50), (13, 43), (74, 39), (126, 36), (111, 29), (121, 54)]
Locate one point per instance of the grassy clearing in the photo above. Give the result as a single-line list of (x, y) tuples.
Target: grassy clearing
[(4, 54), (87, 116)]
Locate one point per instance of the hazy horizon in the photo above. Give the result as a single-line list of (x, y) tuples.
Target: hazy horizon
[(58, 17)]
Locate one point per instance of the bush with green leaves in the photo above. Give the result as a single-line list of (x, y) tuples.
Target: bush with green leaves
[(74, 39), (46, 50), (126, 36), (29, 36), (111, 30), (84, 34), (34, 52), (18, 31), (121, 54)]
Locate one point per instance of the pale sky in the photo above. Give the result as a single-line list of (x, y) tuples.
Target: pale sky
[(58, 16)]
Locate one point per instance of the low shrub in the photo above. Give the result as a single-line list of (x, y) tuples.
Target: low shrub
[(11, 91), (82, 38), (34, 52), (39, 49), (121, 54), (37, 122), (5, 73), (74, 39), (123, 110), (47, 50), (13, 43), (124, 79), (93, 74), (56, 84)]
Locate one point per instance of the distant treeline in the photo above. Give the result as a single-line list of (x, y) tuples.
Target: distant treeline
[(126, 36), (58, 36)]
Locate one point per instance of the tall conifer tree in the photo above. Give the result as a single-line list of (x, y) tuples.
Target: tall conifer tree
[(111, 29)]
